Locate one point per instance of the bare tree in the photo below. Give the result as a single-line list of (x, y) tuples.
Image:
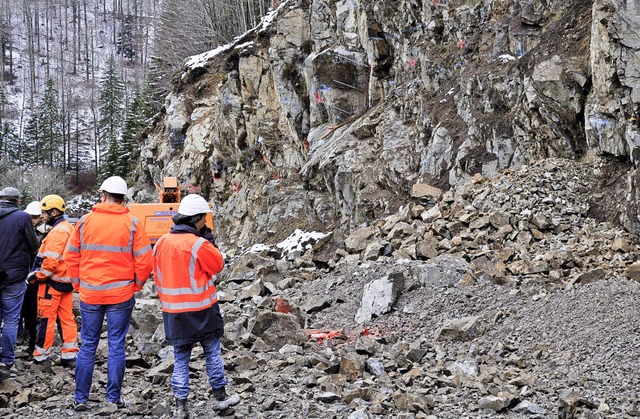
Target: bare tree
[(34, 183), (6, 38), (28, 17), (41, 181), (87, 48)]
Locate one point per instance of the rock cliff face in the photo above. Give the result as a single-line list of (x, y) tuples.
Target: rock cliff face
[(331, 111)]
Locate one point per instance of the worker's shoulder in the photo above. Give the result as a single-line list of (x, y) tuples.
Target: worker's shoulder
[(12, 215), (181, 239), (61, 229)]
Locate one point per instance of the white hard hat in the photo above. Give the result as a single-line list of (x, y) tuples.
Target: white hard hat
[(33, 208), (193, 204), (114, 184)]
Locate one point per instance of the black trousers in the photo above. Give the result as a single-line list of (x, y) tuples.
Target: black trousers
[(29, 314)]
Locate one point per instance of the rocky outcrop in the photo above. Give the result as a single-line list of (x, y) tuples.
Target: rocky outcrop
[(613, 106), (330, 111)]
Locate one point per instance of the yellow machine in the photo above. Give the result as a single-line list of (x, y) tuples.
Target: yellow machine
[(156, 217)]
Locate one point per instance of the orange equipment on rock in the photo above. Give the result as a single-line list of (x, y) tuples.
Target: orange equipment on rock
[(155, 218)]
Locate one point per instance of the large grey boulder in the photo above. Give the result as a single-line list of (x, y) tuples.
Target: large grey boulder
[(442, 271), (379, 296), (278, 329)]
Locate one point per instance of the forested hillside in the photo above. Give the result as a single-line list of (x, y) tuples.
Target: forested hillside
[(80, 79)]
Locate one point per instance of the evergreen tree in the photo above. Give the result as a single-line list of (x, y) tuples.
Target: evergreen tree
[(126, 42), (138, 114), (31, 140), (112, 161), (50, 124), (111, 108), (42, 143), (157, 83), (10, 145)]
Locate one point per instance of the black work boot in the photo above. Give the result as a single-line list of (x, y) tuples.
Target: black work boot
[(5, 371), (69, 363), (182, 411), (221, 400)]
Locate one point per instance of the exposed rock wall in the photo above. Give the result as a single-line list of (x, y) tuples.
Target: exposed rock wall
[(330, 111)]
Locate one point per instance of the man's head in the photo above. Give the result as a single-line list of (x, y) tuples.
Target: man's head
[(114, 190), (192, 211), (53, 208), (33, 209), (10, 194)]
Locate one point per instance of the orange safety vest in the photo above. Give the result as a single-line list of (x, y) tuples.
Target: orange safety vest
[(108, 257), (51, 251), (183, 271)]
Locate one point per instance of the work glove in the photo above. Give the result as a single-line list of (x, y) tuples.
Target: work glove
[(32, 278)]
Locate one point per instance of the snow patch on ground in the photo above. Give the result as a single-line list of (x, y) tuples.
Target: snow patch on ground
[(200, 60), (505, 58), (257, 248), (267, 20), (298, 241), (79, 205)]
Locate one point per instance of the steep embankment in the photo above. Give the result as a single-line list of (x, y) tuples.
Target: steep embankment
[(330, 112)]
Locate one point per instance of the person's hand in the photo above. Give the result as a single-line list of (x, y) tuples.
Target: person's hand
[(31, 278)]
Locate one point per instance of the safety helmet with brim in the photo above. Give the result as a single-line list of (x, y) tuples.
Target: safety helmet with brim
[(114, 185), (193, 204)]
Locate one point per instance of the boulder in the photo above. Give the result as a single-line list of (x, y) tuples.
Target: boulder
[(379, 296)]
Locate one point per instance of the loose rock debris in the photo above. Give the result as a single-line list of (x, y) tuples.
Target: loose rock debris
[(513, 303)]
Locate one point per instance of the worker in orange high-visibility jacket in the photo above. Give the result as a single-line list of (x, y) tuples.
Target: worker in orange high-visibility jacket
[(55, 292), (185, 261), (108, 259)]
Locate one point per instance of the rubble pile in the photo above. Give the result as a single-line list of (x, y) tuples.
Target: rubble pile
[(499, 298)]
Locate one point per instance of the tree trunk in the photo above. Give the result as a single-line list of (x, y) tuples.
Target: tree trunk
[(87, 61), (76, 37), (48, 33), (30, 46), (63, 110)]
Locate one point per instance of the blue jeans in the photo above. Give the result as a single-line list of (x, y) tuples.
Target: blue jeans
[(11, 297), (118, 319), (215, 366)]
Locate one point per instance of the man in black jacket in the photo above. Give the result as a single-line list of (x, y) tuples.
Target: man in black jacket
[(18, 243)]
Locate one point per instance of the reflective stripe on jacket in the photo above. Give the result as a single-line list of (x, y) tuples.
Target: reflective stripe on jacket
[(184, 266), (108, 256), (51, 251), (184, 263)]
